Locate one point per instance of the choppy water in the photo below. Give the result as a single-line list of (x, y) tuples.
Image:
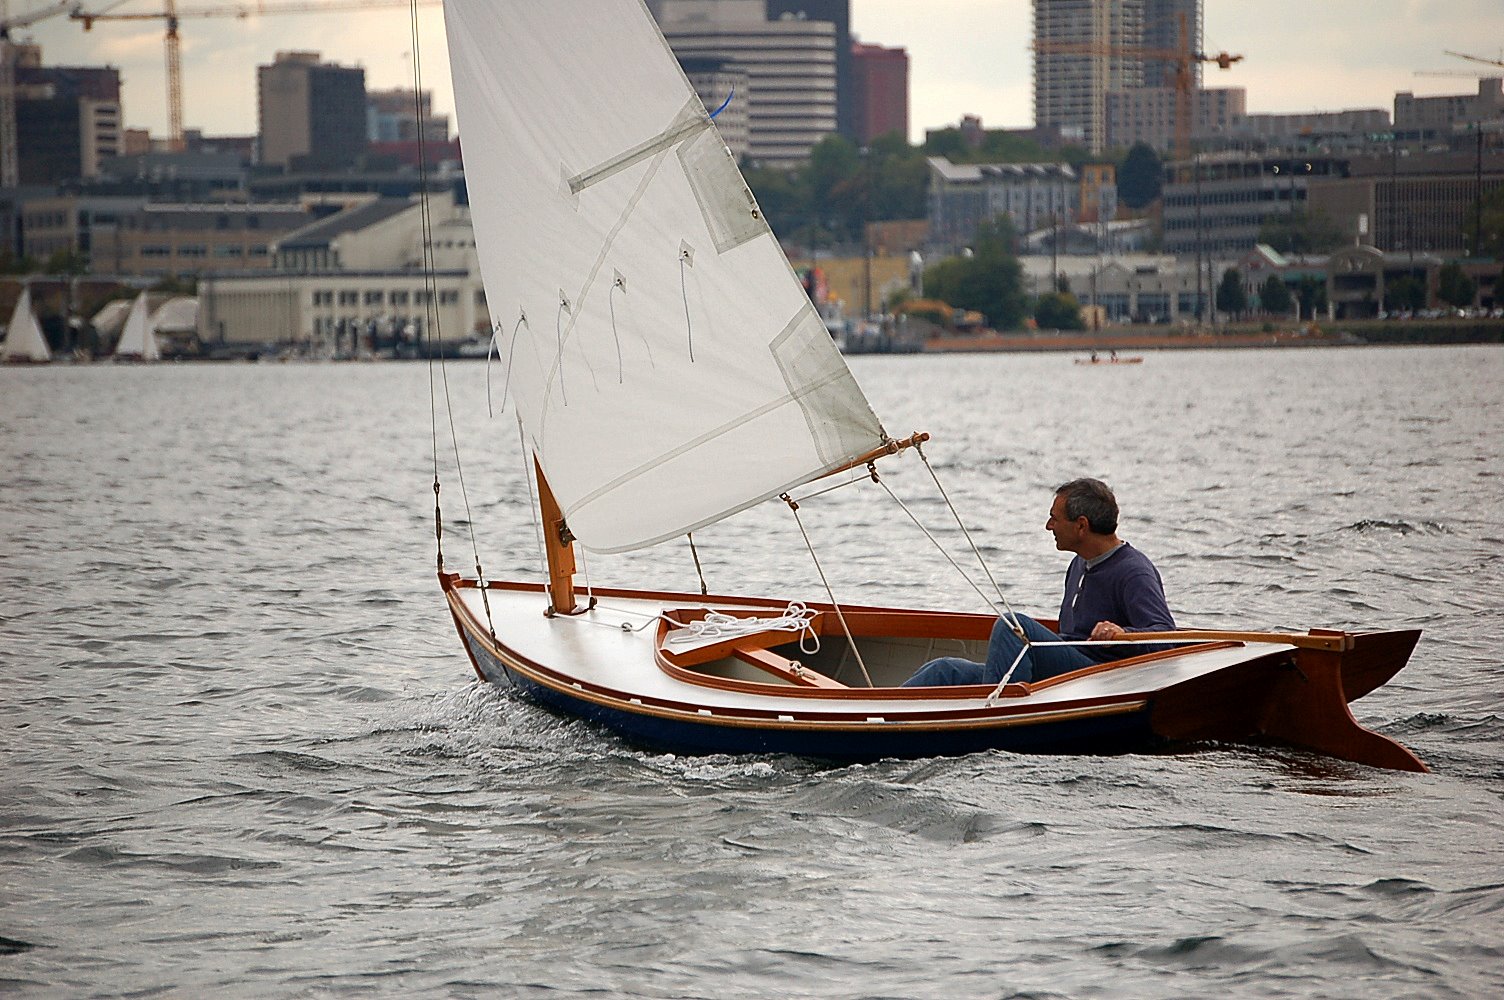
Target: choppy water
[(243, 754)]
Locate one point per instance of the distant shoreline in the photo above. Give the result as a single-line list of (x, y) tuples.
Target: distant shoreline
[(1127, 339)]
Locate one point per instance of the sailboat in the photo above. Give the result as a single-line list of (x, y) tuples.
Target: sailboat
[(668, 371), (138, 339), (23, 337)]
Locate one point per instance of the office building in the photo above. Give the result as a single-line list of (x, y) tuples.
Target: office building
[(311, 114), (1076, 65), (1448, 112), (1147, 115), (879, 92), (401, 115), (67, 118), (836, 13), (962, 196), (790, 65), (1163, 23)]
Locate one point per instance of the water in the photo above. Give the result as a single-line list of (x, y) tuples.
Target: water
[(244, 755)]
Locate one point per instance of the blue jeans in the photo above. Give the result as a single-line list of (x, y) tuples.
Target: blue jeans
[(1037, 664)]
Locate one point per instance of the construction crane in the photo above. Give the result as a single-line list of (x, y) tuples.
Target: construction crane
[(171, 14), (1476, 59), (10, 171), (1183, 58)]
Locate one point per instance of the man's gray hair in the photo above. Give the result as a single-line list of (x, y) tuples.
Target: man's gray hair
[(1093, 500)]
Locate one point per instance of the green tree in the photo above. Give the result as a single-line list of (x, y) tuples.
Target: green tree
[(990, 281), (1454, 287), (1405, 294), (66, 261), (1492, 235), (1140, 177), (1058, 311), (947, 142), (1275, 297), (1231, 298), (1302, 232), (1311, 293), (781, 196)]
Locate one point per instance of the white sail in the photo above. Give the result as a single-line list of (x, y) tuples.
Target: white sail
[(23, 337), (137, 338), (665, 361)]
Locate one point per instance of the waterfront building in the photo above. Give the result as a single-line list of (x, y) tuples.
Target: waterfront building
[(880, 91), (47, 223), (311, 114), (1415, 203), (1128, 288), (962, 196), (167, 240), (790, 64), (354, 281)]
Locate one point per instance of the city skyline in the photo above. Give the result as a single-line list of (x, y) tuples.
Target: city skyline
[(967, 56)]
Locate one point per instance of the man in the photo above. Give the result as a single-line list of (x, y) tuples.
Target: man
[(1111, 590)]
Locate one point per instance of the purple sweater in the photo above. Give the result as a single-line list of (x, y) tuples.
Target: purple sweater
[(1125, 589)]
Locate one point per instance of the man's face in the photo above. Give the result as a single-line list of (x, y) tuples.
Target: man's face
[(1068, 533)]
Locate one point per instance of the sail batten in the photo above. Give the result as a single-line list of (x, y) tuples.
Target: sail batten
[(724, 386)]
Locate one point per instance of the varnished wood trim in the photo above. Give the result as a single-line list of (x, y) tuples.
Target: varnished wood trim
[(1099, 668), (790, 670)]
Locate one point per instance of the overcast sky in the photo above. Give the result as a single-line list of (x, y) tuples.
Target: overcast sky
[(966, 56)]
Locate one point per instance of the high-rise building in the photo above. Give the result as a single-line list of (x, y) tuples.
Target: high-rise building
[(725, 89), (1162, 25), (1076, 65), (838, 14), (67, 118), (879, 91), (394, 116), (312, 114), (790, 65)]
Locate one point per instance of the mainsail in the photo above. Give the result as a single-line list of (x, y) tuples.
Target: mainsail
[(23, 337), (665, 362), (137, 338)]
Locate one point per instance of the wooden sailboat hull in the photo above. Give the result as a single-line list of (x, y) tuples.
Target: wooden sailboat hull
[(591, 667)]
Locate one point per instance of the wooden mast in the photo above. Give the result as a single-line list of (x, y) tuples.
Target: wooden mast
[(558, 546)]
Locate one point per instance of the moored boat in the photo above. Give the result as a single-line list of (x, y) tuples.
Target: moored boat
[(24, 342)]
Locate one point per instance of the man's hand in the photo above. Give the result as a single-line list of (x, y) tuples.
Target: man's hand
[(1107, 630)]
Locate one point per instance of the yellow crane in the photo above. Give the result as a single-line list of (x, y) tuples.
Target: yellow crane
[(1476, 59), (1183, 58), (171, 14)]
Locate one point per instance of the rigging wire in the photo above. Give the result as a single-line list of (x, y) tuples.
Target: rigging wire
[(433, 333), (840, 615)]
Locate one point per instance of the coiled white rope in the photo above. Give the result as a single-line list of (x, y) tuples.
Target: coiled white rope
[(718, 625)]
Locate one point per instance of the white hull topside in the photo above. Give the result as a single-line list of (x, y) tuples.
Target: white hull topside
[(595, 650)]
